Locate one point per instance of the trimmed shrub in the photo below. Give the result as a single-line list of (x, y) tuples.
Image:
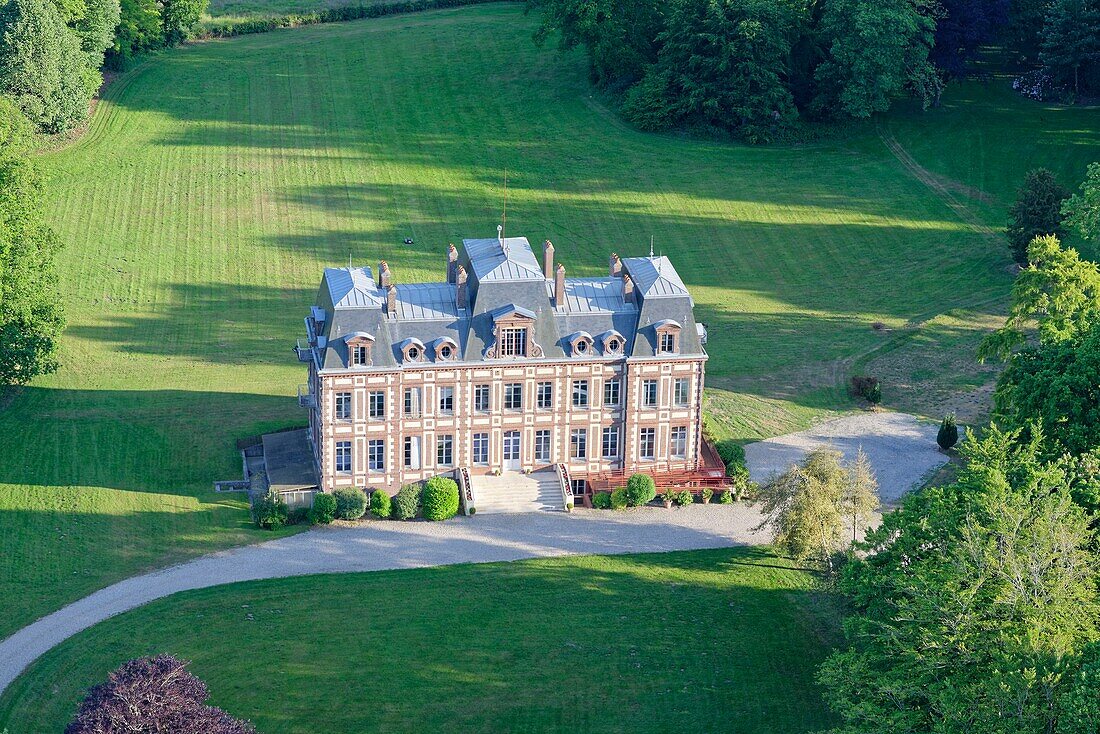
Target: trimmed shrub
[(640, 490), (298, 516), (270, 511), (439, 498), (351, 503), (681, 497), (406, 503), (618, 499), (324, 509), (380, 504), (706, 494), (949, 433), (725, 497), (601, 501)]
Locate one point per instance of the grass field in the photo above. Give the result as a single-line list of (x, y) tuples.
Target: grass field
[(216, 181), (715, 641)]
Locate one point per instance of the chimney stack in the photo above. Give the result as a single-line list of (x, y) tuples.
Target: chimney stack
[(452, 263), (616, 267), (460, 287), (628, 289), (548, 259), (559, 287), (391, 301), (384, 278)]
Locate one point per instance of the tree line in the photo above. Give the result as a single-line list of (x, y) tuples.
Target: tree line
[(758, 68), (53, 52)]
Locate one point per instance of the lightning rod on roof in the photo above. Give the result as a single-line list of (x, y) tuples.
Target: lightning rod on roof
[(504, 216), (651, 245)]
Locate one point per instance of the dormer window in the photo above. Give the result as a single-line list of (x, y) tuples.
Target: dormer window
[(412, 350), (360, 355), (412, 354), (359, 349), (613, 343), (512, 330), (513, 342), (668, 337), (580, 344), (445, 349), (668, 343), (582, 347)]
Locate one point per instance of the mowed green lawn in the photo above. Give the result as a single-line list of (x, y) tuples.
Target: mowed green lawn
[(706, 641), (216, 181)]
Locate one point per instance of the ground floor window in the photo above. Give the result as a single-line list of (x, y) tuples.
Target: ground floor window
[(412, 452), (611, 442), (343, 457), (376, 455), (579, 486), (481, 448), (542, 445), (679, 442), (647, 443), (444, 450), (578, 444)]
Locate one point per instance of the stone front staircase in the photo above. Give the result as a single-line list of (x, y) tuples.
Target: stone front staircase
[(517, 492)]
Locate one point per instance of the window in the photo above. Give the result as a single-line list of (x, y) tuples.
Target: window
[(376, 454), (578, 444), (611, 442), (513, 396), (545, 395), (614, 346), (481, 398), (412, 354), (513, 343), (359, 355), (376, 405), (447, 400), (681, 391), (667, 343), (581, 346), (579, 486), (444, 450), (542, 445), (446, 351), (481, 448), (343, 406), (343, 457), (412, 401), (649, 393), (647, 443), (611, 392), (580, 393), (679, 442), (412, 452)]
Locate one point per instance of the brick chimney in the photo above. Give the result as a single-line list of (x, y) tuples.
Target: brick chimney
[(452, 263), (628, 289), (391, 301), (615, 269), (384, 277), (548, 259), (559, 287), (460, 287)]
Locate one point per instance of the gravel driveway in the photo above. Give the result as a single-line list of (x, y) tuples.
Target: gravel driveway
[(902, 449), (376, 546)]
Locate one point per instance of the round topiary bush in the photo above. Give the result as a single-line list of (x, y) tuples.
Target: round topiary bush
[(324, 509), (601, 501), (270, 511), (380, 504), (406, 503), (640, 490), (618, 499), (439, 498), (726, 497), (351, 503)]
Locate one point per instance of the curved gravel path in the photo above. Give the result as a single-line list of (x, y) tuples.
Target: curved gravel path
[(376, 546)]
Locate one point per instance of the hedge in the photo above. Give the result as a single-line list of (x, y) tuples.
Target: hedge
[(324, 509), (380, 504), (406, 503), (351, 503)]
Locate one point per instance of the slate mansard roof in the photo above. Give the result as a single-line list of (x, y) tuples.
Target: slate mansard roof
[(504, 278)]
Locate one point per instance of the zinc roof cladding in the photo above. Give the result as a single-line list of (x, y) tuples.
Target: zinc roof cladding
[(593, 295), (426, 301), (510, 309), (655, 277), (510, 262), (353, 288)]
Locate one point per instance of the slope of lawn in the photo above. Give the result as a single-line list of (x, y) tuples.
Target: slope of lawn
[(718, 641), (217, 180)]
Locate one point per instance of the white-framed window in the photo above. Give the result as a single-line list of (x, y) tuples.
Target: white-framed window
[(481, 398), (580, 393), (649, 393), (578, 443), (343, 406), (611, 392), (579, 486), (376, 455), (447, 400), (681, 391), (513, 342), (610, 442), (544, 393), (678, 442), (412, 452), (542, 445), (412, 401), (445, 352), (513, 396), (667, 343), (359, 355), (376, 405), (343, 457), (647, 443), (481, 448), (444, 450)]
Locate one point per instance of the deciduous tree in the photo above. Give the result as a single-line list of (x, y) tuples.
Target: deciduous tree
[(1082, 210), (180, 18), (1071, 40)]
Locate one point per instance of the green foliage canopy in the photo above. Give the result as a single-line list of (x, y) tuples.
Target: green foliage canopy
[(1037, 211), (439, 499), (1082, 210)]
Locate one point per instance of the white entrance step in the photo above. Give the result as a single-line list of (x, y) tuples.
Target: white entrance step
[(518, 492)]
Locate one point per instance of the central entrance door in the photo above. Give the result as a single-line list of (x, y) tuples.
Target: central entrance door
[(511, 451)]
